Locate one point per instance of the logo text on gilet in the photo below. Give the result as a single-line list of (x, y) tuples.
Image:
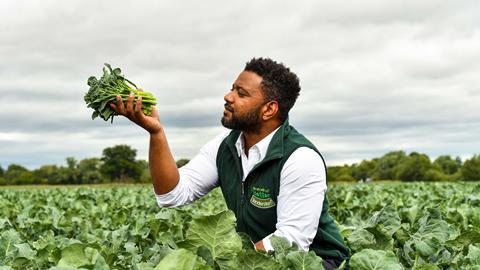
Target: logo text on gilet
[(261, 198)]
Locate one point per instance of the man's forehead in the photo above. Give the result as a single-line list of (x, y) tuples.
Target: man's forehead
[(249, 80)]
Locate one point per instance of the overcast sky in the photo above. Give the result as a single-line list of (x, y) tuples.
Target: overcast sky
[(376, 76)]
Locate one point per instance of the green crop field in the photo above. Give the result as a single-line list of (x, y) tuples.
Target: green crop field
[(386, 226)]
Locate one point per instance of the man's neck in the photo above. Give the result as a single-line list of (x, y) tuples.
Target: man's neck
[(253, 137)]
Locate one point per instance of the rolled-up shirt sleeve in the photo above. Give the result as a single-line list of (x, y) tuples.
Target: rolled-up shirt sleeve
[(302, 190), (197, 177)]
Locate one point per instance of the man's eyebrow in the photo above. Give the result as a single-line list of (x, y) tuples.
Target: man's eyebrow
[(239, 87)]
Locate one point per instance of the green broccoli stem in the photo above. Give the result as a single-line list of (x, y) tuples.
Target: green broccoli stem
[(147, 98)]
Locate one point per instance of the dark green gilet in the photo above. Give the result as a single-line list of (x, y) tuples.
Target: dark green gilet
[(254, 202)]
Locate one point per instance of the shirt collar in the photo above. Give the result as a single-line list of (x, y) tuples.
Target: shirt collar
[(262, 145)]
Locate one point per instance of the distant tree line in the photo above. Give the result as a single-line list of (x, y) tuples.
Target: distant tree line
[(119, 164), (397, 165)]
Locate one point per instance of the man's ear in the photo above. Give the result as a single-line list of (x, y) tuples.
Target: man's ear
[(270, 110)]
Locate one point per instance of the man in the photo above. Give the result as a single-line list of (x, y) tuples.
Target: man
[(271, 176)]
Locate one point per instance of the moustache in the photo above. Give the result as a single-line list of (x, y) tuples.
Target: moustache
[(228, 107)]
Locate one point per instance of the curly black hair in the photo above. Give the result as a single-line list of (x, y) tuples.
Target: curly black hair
[(278, 83)]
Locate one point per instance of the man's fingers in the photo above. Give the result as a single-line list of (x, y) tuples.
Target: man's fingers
[(130, 99), (138, 105), (154, 112), (138, 109), (120, 107), (133, 111)]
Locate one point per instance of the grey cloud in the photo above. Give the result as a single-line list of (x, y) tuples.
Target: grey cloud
[(375, 76)]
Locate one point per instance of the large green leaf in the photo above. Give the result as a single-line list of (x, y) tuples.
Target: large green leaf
[(375, 237), (253, 260), (388, 218), (426, 267), (360, 239), (281, 245), (301, 260), (8, 240), (411, 213), (182, 259), (377, 232), (369, 259), (383, 237), (472, 260), (80, 255), (464, 240), (427, 244), (290, 257), (24, 256), (473, 255), (217, 233)]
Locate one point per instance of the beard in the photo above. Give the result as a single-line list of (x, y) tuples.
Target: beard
[(250, 121)]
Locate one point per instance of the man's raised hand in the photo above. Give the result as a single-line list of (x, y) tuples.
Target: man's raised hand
[(133, 111)]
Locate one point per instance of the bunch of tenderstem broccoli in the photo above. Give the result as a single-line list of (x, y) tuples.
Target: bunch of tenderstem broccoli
[(103, 91)]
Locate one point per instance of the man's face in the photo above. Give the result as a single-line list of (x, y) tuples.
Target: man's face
[(244, 102)]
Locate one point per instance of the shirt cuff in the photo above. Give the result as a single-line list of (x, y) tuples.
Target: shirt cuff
[(267, 244)]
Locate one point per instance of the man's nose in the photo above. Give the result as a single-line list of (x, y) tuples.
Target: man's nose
[(228, 97)]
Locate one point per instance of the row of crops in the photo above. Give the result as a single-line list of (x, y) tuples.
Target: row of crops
[(386, 226)]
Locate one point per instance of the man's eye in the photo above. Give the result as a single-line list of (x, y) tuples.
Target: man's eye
[(240, 91)]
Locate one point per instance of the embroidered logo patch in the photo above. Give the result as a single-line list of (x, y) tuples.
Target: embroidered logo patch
[(261, 198)]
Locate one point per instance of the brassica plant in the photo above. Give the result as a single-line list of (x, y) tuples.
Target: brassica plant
[(424, 226), (103, 91)]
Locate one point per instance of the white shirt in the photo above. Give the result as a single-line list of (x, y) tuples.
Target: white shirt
[(302, 186)]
